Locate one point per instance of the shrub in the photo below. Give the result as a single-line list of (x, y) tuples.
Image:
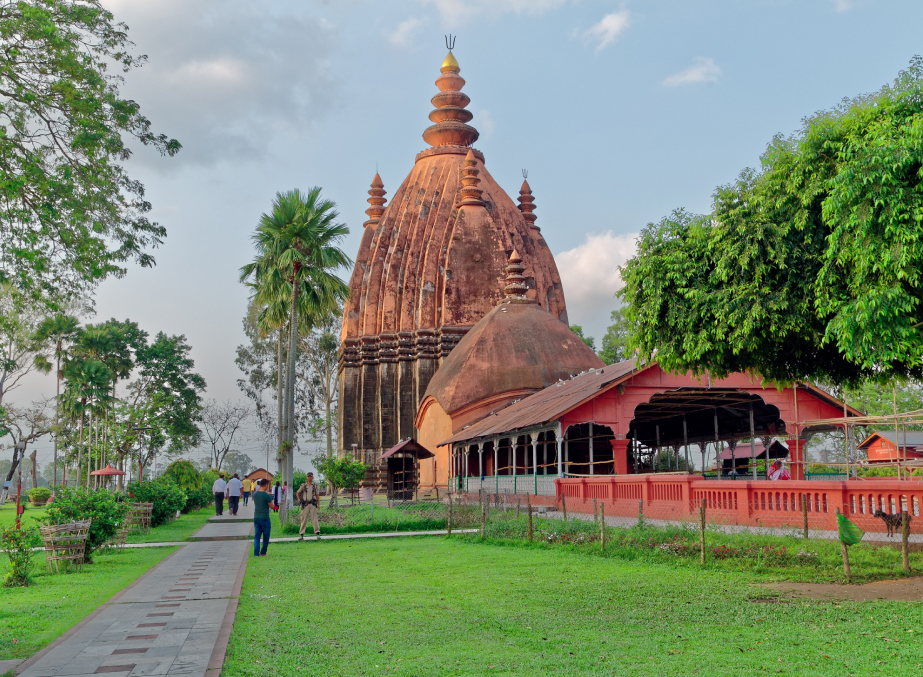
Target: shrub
[(39, 495), (299, 477), (166, 496), (18, 544), (184, 475), (203, 496), (105, 508)]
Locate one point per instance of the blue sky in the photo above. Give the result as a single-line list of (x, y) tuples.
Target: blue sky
[(621, 112)]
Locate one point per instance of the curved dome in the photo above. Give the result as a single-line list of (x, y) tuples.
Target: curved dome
[(516, 349)]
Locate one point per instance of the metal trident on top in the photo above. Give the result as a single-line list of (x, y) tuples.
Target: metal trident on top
[(450, 41)]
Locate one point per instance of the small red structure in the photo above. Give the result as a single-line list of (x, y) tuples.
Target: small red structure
[(108, 471), (888, 446), (259, 474)]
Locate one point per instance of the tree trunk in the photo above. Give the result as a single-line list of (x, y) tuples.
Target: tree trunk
[(79, 452), (57, 407), (290, 387), (280, 398), (329, 428)]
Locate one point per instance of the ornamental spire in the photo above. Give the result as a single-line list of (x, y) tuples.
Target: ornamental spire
[(527, 203), (516, 288), (470, 193), (450, 115), (376, 202)]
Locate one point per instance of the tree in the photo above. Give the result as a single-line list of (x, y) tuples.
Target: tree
[(238, 462), (70, 215), (58, 332), (589, 340), (320, 351), (615, 342), (19, 346), (297, 248), (222, 422), (24, 424), (811, 267)]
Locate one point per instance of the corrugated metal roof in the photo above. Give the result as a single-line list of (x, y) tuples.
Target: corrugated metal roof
[(548, 404)]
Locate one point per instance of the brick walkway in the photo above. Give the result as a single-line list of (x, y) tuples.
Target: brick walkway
[(175, 620)]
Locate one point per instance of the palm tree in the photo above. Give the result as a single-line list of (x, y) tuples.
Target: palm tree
[(59, 330), (296, 250), (86, 392)]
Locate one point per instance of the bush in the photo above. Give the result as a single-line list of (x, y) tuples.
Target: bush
[(18, 544), (105, 508), (166, 496), (299, 477), (203, 496), (39, 495), (184, 474)]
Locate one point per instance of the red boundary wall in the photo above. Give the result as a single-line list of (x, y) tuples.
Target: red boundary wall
[(747, 503)]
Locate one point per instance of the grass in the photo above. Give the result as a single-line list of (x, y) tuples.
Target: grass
[(31, 618), (179, 529), (361, 519), (8, 515), (458, 606), (778, 558)]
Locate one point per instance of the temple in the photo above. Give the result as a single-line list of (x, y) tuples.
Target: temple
[(458, 368), (431, 264)]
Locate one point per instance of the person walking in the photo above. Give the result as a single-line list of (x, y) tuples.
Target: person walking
[(235, 489), (247, 487), (219, 488), (262, 527), (285, 496), (308, 497), (277, 495)]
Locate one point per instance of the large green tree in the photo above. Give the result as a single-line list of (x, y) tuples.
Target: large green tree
[(615, 343), (70, 215), (811, 266)]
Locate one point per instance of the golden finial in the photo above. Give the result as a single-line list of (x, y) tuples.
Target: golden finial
[(450, 64)]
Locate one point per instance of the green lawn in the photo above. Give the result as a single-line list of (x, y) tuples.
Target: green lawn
[(8, 515), (456, 606), (31, 618), (179, 529)]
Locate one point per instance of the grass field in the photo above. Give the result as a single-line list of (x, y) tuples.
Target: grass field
[(456, 606), (179, 529), (29, 517), (31, 618)]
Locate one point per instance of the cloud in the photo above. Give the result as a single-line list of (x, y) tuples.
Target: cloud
[(484, 123), (608, 29), (224, 76), (460, 11), (843, 5), (403, 35), (703, 70), (590, 276)]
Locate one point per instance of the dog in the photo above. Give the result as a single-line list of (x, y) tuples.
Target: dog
[(893, 522)]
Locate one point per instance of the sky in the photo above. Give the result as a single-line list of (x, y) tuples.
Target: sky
[(620, 111)]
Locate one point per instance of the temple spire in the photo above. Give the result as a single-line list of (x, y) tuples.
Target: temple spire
[(376, 201), (470, 193), (450, 115), (516, 287), (527, 205)]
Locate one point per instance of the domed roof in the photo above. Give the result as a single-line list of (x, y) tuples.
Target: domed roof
[(517, 348), (435, 255)]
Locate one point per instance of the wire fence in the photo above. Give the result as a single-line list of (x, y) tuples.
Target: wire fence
[(714, 531), (339, 516)]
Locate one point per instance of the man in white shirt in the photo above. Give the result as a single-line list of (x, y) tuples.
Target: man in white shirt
[(219, 488), (235, 489)]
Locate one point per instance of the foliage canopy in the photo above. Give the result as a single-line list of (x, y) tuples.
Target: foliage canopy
[(811, 266)]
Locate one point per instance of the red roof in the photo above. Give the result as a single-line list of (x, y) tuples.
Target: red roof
[(549, 404)]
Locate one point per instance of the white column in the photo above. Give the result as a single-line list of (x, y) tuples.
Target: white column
[(481, 459), (545, 456), (557, 441), (533, 437), (591, 449)]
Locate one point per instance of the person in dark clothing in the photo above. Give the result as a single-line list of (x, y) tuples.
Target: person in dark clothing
[(262, 502)]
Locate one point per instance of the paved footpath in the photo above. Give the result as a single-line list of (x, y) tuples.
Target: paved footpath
[(228, 527), (175, 620)]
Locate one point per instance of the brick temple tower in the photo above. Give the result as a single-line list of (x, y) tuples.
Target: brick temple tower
[(431, 264)]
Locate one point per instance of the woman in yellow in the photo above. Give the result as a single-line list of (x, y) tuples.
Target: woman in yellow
[(248, 486)]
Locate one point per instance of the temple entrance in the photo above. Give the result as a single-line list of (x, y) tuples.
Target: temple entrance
[(667, 429)]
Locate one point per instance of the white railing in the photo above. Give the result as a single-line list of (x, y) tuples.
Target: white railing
[(535, 485)]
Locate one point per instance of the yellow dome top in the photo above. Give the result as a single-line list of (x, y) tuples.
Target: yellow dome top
[(450, 64)]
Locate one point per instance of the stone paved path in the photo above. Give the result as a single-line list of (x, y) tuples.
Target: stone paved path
[(175, 620)]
